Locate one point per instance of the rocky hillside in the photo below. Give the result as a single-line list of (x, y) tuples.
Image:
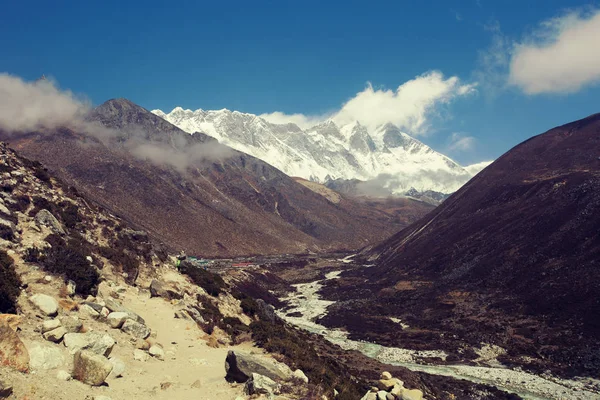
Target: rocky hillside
[(510, 260), (192, 193), (90, 308)]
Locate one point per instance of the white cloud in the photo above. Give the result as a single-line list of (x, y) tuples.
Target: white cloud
[(26, 106), (460, 143), (492, 63), (410, 106), (560, 57), (301, 120)]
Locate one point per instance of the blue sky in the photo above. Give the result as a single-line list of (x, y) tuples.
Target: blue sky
[(311, 57)]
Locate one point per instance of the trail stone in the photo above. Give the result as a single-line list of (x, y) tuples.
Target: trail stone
[(5, 390), (140, 355), (46, 304), (240, 367), (386, 384), (49, 325), (390, 396), (260, 384), (412, 394), (91, 368), (87, 310), (115, 306), (12, 320), (397, 390), (96, 342), (55, 335), (164, 290), (95, 306), (157, 352), (13, 352), (45, 217), (45, 356), (71, 324), (370, 396), (299, 374), (116, 319), (382, 395), (197, 384), (63, 375), (118, 367), (136, 329)]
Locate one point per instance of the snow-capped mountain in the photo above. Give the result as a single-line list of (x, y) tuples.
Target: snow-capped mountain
[(385, 156)]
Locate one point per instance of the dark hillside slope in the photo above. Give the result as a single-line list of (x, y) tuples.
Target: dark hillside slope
[(512, 258), (192, 193)]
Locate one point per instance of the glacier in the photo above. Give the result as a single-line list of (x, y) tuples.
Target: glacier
[(386, 155)]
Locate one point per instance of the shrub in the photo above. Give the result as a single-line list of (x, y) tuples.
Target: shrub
[(122, 260), (22, 202), (10, 284), (33, 255), (211, 282), (69, 214), (248, 304), (67, 258)]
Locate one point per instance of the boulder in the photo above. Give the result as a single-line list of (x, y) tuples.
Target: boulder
[(91, 368), (43, 356), (386, 375), (390, 396), (388, 384), (71, 288), (397, 390), (157, 352), (55, 335), (118, 367), (116, 319), (164, 290), (50, 324), (99, 343), (71, 324), (412, 394), (260, 384), (382, 395), (299, 374), (140, 355), (135, 329), (12, 320), (45, 217), (240, 367), (46, 304), (13, 352), (266, 311), (95, 306), (114, 306)]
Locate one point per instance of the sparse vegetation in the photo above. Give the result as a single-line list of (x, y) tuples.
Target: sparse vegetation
[(10, 284), (211, 282), (67, 258)]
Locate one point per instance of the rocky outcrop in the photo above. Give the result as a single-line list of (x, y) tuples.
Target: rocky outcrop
[(390, 388), (114, 306), (91, 368), (240, 367), (13, 352), (45, 217), (259, 384), (164, 290), (95, 342), (136, 329)]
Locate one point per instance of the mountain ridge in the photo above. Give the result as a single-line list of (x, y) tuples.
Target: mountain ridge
[(327, 151)]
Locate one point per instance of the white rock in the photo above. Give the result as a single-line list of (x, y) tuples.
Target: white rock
[(88, 311), (48, 278), (157, 352), (45, 357), (91, 368), (136, 329), (299, 374), (71, 287), (104, 313), (382, 395), (98, 343), (386, 375), (140, 355), (116, 319), (46, 304), (50, 324), (63, 375), (55, 335), (118, 367)]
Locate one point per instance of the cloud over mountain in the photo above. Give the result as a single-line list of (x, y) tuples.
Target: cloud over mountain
[(410, 106)]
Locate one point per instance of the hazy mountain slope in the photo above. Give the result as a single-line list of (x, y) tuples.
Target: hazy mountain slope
[(327, 151), (193, 193), (512, 258)]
